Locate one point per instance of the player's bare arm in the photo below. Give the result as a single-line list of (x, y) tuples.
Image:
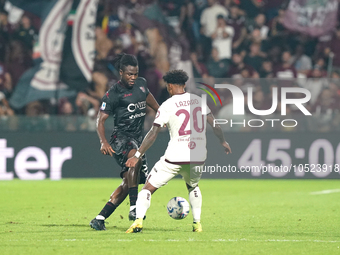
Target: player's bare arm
[(151, 101), (105, 147), (218, 133), (149, 139)]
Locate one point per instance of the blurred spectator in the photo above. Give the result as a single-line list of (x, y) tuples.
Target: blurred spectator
[(199, 6), (34, 109), (255, 57), (68, 122), (129, 37), (65, 107), (209, 17), (237, 21), (5, 109), (301, 62), (255, 37), (274, 54), (266, 69), (14, 13), (209, 23), (199, 69), (5, 81), (271, 7), (18, 60), (222, 38), (103, 44), (259, 23), (175, 12), (238, 66), (6, 29), (278, 31), (154, 78), (324, 110), (217, 68), (251, 7), (315, 84), (285, 70), (127, 8), (26, 33), (331, 49), (187, 23), (85, 102)]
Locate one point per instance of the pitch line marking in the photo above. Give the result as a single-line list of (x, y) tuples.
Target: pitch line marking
[(194, 240), (324, 192)]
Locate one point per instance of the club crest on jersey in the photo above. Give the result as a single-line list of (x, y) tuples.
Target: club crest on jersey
[(191, 145), (103, 106), (142, 89)]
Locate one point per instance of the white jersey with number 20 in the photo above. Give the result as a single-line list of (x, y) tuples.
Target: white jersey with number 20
[(187, 127)]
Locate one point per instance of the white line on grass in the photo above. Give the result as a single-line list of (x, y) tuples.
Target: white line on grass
[(327, 191), (214, 240), (191, 240)]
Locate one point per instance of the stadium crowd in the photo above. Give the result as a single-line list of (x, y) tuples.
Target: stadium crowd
[(237, 41)]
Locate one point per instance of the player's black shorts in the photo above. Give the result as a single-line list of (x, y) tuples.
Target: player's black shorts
[(122, 145)]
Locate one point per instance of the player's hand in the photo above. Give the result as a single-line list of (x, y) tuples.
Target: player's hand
[(106, 149), (226, 147), (131, 162)]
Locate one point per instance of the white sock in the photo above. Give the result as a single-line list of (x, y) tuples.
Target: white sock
[(143, 203), (132, 207), (100, 217), (195, 200)]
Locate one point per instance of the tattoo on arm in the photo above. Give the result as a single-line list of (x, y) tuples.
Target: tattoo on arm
[(216, 128)]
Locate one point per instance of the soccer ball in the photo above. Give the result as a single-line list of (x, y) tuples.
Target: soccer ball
[(178, 208)]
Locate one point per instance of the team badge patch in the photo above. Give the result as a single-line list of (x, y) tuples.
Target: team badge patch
[(191, 145), (142, 89), (103, 106)]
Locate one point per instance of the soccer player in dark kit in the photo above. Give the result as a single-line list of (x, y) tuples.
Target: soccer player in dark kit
[(126, 101)]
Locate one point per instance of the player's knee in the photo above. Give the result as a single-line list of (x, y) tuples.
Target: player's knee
[(133, 171)]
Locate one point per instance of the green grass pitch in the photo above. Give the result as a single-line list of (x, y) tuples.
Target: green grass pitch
[(238, 217)]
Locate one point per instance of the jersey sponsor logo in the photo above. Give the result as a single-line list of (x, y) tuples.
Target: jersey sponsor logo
[(103, 106), (192, 145), (137, 115), (140, 105), (142, 89)]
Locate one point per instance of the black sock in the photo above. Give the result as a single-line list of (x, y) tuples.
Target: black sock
[(108, 209), (133, 193)]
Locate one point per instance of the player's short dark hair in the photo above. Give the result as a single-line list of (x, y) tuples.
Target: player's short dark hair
[(178, 77), (122, 60)]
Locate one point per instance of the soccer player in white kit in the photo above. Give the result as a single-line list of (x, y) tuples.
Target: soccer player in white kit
[(186, 151)]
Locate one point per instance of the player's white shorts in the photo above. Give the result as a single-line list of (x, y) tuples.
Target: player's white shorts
[(163, 172)]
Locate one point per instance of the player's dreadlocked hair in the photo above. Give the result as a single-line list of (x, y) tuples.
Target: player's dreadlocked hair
[(122, 60), (178, 77)]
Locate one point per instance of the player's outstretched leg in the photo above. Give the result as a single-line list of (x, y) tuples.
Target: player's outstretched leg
[(132, 176), (142, 205), (116, 198), (195, 200)]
